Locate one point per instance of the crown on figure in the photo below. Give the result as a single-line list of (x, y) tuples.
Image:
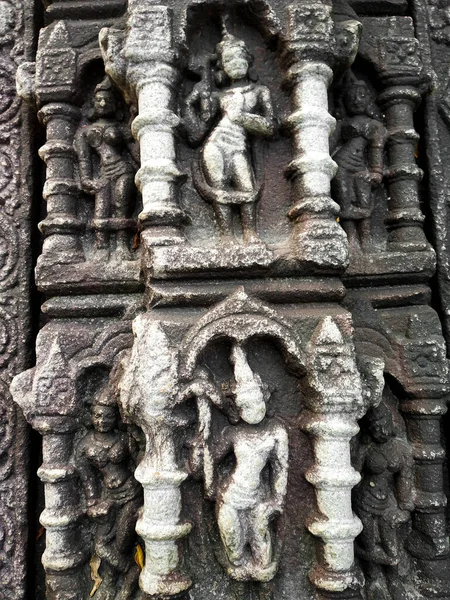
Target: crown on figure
[(230, 42), (380, 413), (105, 398), (105, 85), (352, 81)]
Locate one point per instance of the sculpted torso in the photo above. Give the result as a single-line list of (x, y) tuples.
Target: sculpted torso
[(252, 446)]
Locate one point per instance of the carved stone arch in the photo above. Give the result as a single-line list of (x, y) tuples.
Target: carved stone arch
[(87, 62), (86, 59), (98, 367), (373, 343), (241, 318), (106, 348)]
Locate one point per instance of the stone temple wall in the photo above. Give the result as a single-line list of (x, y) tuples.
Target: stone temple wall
[(224, 292)]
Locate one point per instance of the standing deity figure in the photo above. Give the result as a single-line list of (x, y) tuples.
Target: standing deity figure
[(252, 495), (232, 116), (113, 497), (383, 501), (360, 160), (106, 164)]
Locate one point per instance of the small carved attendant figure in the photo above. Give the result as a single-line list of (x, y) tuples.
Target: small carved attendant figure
[(360, 161), (113, 498), (384, 502), (106, 167), (252, 495), (226, 175)]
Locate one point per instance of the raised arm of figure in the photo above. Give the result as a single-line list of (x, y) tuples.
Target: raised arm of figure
[(199, 111), (280, 464), (376, 148), (223, 445), (132, 146)]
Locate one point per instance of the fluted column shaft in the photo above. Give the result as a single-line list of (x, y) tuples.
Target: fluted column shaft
[(333, 478), (144, 66), (148, 389), (334, 404), (63, 544)]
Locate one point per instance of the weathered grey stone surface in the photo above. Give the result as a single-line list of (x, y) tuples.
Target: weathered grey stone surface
[(16, 124), (240, 369)]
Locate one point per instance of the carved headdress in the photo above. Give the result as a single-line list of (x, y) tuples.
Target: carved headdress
[(106, 397), (105, 85), (231, 42), (380, 413)]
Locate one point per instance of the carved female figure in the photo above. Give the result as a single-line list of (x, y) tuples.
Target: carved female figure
[(113, 497), (360, 160), (226, 176), (250, 497), (383, 501), (106, 167)]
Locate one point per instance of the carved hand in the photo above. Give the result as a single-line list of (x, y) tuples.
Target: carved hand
[(196, 457), (90, 186), (374, 177), (396, 516), (99, 509), (205, 106), (406, 506), (201, 99), (271, 508)]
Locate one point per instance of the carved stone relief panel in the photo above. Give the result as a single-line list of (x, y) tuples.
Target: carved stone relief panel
[(106, 167), (244, 447), (246, 161), (239, 377)]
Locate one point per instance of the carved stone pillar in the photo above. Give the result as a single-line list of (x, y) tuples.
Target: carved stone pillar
[(317, 237), (427, 385), (401, 75), (333, 408), (148, 393), (60, 190), (52, 89), (393, 49), (149, 74), (46, 394)]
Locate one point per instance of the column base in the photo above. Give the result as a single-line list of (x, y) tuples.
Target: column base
[(321, 243), (434, 577), (171, 584)]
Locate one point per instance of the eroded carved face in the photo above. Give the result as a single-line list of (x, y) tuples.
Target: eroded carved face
[(357, 99), (235, 62), (382, 430), (104, 418), (251, 405), (104, 104)]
